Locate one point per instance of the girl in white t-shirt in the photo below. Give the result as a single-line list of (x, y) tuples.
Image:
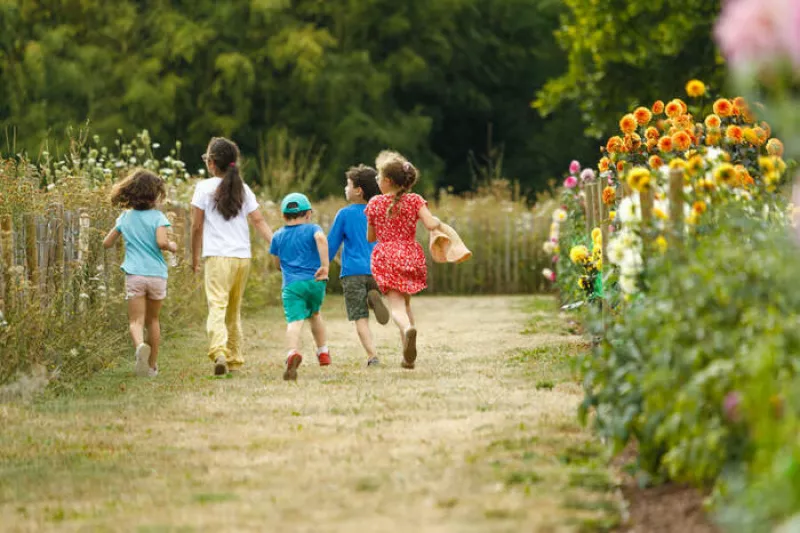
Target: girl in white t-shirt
[(221, 207)]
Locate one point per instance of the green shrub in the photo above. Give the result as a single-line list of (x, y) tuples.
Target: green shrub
[(676, 372)]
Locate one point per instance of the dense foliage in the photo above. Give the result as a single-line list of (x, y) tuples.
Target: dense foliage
[(438, 80), (613, 45)]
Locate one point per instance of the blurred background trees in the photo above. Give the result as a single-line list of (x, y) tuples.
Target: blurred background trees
[(327, 84)]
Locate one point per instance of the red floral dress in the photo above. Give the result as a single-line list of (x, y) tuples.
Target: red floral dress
[(398, 261)]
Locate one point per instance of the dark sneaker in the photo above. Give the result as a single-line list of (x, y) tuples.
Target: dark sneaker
[(378, 306), (409, 347), (292, 362), (373, 361), (324, 358), (220, 366)]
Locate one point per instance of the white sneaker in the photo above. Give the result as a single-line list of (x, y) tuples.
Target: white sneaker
[(152, 372), (142, 360)]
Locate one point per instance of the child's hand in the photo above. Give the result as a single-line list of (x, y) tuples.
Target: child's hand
[(322, 274), (172, 247)]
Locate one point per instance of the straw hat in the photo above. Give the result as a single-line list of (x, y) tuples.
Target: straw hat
[(447, 247)]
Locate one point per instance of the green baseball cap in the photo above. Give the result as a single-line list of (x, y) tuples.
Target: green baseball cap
[(295, 203)]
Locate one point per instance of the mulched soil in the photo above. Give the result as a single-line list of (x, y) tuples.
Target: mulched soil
[(667, 508)]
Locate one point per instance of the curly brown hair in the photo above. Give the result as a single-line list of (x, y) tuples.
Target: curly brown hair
[(363, 177), (140, 190), (398, 170)]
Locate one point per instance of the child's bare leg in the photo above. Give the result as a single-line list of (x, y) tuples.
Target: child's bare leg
[(365, 335), (397, 304), (152, 310), (318, 330), (408, 310), (136, 314), (293, 330)]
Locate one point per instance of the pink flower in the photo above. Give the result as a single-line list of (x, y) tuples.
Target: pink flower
[(587, 175), (754, 33), (555, 259), (571, 182), (730, 406), (611, 229), (574, 167)]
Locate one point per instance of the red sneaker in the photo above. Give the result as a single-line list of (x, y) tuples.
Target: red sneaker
[(292, 362), (324, 359)]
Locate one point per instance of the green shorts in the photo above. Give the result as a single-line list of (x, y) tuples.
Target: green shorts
[(303, 299), (355, 295)]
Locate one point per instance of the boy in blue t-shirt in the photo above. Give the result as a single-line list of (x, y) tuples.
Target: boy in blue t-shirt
[(350, 226), (302, 251)]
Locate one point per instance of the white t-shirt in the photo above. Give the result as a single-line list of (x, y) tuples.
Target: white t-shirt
[(224, 238)]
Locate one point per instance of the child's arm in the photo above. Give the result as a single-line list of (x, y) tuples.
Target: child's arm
[(198, 219), (428, 220), (162, 239), (335, 236), (263, 229), (322, 248), (111, 238), (371, 236)]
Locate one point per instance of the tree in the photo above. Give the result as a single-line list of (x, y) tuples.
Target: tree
[(621, 54)]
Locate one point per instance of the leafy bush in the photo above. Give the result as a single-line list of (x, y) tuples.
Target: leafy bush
[(675, 372)]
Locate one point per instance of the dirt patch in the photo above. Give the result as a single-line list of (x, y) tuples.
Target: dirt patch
[(669, 508)]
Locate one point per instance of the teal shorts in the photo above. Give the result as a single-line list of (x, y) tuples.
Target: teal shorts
[(303, 299)]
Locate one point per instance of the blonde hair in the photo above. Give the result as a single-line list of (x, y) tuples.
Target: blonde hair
[(397, 169)]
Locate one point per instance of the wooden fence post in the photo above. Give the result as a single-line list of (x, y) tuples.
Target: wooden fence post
[(590, 197), (31, 250), (676, 183), (7, 260)]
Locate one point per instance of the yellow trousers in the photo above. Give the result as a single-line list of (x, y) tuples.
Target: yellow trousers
[(225, 279)]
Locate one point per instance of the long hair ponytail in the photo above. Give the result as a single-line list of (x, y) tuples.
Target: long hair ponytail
[(229, 197)]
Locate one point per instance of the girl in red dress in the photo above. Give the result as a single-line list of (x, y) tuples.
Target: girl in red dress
[(398, 262)]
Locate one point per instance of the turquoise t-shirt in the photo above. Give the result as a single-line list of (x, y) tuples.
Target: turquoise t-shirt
[(143, 257)]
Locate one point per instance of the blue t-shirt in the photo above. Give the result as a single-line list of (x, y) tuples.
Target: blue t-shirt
[(350, 226), (297, 250), (143, 257)]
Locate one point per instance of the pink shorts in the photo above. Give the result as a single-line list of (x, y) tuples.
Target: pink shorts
[(150, 287)]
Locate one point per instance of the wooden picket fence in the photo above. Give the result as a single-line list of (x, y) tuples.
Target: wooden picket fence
[(597, 215), (58, 255)]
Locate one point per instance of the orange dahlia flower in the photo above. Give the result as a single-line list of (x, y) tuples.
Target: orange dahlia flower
[(681, 141), (604, 164), (734, 133), (609, 195), (665, 144), (674, 108), (723, 107), (713, 122), (643, 116), (652, 133), (655, 162), (614, 144), (628, 123), (658, 107)]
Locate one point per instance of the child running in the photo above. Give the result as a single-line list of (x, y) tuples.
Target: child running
[(350, 226), (302, 254), (144, 230), (398, 261), (221, 208)]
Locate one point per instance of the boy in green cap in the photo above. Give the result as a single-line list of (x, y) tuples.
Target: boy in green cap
[(302, 250)]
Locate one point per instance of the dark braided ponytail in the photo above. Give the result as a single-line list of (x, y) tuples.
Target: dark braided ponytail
[(229, 197), (399, 171)]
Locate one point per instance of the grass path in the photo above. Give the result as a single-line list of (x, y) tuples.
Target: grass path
[(481, 437)]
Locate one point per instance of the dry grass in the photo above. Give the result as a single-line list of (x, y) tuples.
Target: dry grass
[(464, 443)]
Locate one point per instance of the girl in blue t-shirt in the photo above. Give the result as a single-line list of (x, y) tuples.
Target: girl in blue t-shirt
[(144, 229)]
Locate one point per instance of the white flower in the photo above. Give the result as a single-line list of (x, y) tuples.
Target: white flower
[(83, 296), (559, 215), (714, 154), (73, 352), (615, 251), (132, 160), (156, 145), (629, 210), (549, 247), (119, 164), (631, 262), (627, 284), (51, 186)]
